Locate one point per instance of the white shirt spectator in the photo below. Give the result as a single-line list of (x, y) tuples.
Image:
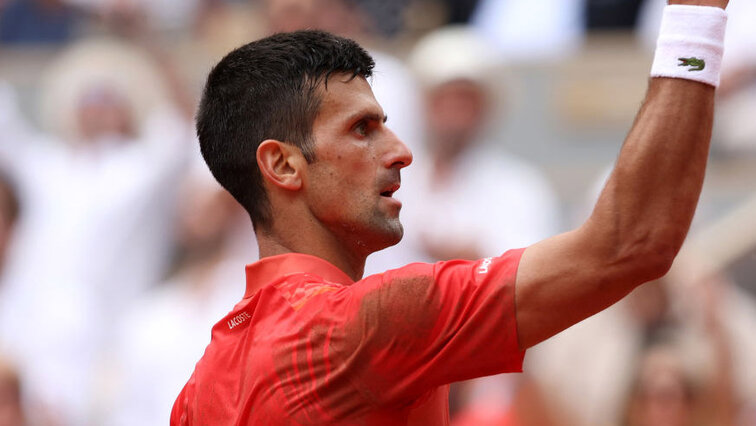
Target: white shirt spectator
[(95, 231)]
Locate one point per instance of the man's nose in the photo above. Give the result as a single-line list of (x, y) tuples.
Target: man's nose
[(399, 154)]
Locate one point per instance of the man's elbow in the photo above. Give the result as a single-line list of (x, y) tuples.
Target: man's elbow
[(653, 259), (660, 260)]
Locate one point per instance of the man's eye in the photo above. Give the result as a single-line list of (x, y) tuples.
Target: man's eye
[(361, 128)]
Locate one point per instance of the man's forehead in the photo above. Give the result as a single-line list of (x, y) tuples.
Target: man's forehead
[(345, 93)]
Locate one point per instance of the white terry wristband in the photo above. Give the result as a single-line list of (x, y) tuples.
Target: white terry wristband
[(691, 43)]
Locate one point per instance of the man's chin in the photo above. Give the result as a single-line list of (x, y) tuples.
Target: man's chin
[(389, 236), (394, 241)]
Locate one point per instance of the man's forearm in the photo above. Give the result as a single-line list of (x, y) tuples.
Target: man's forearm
[(650, 198), (639, 221)]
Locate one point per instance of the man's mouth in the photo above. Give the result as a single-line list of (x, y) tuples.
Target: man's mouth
[(389, 191)]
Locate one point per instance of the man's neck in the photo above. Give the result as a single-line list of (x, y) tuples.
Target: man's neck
[(272, 244)]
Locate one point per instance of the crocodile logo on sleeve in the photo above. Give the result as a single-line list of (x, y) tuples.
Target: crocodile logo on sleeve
[(694, 63)]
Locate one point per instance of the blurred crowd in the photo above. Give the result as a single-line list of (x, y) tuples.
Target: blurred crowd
[(118, 250)]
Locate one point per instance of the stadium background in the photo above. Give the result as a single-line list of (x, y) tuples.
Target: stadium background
[(125, 252)]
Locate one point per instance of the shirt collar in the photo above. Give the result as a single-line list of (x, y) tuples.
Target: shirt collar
[(269, 269)]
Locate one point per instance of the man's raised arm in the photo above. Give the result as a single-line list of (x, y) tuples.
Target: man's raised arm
[(644, 211)]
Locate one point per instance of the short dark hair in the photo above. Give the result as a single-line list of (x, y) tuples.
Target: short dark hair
[(268, 89)]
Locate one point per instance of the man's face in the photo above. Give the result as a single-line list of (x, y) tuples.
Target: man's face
[(350, 185), (102, 112)]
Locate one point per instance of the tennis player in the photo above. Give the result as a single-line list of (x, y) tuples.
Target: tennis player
[(290, 127)]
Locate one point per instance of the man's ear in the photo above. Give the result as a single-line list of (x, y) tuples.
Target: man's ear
[(281, 164)]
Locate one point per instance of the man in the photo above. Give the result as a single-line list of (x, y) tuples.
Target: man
[(290, 127)]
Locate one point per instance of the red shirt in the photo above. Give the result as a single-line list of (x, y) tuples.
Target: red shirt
[(307, 345)]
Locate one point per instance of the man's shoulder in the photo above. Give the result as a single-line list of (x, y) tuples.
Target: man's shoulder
[(297, 290)]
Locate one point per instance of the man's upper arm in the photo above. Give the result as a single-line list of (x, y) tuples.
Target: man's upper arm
[(561, 281), (425, 325)]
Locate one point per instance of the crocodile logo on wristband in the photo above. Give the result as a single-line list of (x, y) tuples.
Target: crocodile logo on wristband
[(694, 63)]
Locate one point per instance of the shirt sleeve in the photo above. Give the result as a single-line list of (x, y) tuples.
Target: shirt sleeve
[(410, 330)]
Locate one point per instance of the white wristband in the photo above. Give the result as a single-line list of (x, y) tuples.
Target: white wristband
[(691, 43)]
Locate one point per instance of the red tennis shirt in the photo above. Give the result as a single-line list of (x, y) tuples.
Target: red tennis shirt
[(309, 346)]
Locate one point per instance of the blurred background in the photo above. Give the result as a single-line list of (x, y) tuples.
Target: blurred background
[(118, 251)]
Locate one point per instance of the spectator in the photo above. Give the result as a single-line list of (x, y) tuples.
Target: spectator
[(505, 400), (663, 329), (664, 393), (669, 388), (161, 339), (463, 168), (98, 193)]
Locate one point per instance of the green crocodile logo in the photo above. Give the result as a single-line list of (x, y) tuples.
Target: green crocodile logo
[(694, 63)]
